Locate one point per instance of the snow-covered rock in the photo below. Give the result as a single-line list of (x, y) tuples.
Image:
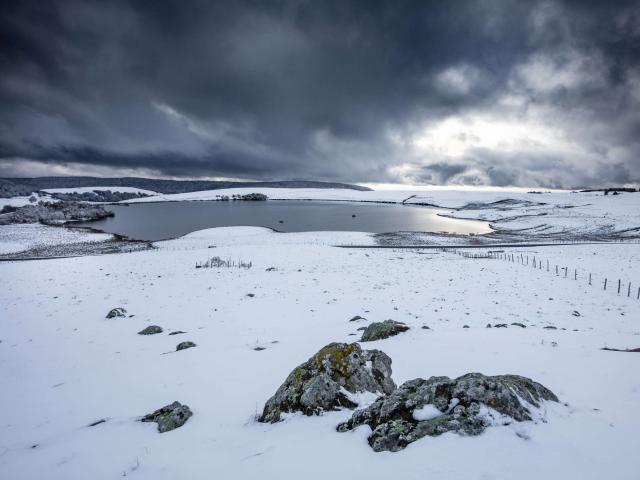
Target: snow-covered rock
[(466, 405), (326, 380)]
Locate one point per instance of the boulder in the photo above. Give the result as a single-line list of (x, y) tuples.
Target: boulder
[(150, 330), (118, 312), (326, 381), (169, 417), (465, 405), (381, 330)]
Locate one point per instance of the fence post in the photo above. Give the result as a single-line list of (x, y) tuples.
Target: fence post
[(589, 279), (605, 283), (547, 265), (618, 286), (629, 290), (556, 269), (575, 274)]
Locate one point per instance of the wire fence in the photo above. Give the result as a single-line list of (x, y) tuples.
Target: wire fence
[(624, 288)]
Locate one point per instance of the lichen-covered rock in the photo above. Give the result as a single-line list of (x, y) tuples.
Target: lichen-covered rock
[(150, 330), (326, 380), (466, 405), (184, 346), (380, 330), (118, 312), (169, 417)]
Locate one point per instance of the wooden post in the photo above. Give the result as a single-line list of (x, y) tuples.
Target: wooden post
[(589, 279), (575, 274), (629, 290), (547, 265), (618, 286), (605, 283)]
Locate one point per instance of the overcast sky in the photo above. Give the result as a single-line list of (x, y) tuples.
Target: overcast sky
[(505, 93)]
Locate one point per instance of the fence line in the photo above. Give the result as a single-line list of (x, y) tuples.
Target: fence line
[(536, 263)]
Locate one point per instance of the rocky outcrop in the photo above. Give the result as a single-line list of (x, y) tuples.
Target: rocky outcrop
[(328, 379), (169, 417), (381, 330), (466, 405)]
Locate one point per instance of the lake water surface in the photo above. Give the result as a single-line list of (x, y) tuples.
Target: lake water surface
[(165, 220)]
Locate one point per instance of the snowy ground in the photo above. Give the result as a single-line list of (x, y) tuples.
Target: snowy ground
[(65, 366), (18, 201), (26, 236)]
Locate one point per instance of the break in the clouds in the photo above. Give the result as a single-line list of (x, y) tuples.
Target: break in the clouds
[(535, 93)]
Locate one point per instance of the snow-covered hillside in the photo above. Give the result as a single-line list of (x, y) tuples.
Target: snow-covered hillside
[(64, 366)]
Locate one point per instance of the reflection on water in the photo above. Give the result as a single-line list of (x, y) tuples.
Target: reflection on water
[(165, 220)]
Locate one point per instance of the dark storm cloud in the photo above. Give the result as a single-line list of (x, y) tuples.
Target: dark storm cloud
[(338, 90)]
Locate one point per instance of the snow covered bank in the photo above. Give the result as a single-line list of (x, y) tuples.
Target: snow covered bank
[(22, 237), (65, 366)]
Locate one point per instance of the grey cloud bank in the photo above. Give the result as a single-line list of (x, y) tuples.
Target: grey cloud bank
[(507, 93)]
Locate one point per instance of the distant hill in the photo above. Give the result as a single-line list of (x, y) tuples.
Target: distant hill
[(10, 187)]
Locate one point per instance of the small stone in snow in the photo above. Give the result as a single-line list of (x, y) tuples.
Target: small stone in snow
[(184, 346), (150, 330), (381, 330), (518, 324), (169, 417), (117, 312)]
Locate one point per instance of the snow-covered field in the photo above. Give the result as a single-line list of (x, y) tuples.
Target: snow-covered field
[(17, 201), (64, 366), (22, 237)]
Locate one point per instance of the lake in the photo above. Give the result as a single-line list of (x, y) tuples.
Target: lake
[(166, 220)]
